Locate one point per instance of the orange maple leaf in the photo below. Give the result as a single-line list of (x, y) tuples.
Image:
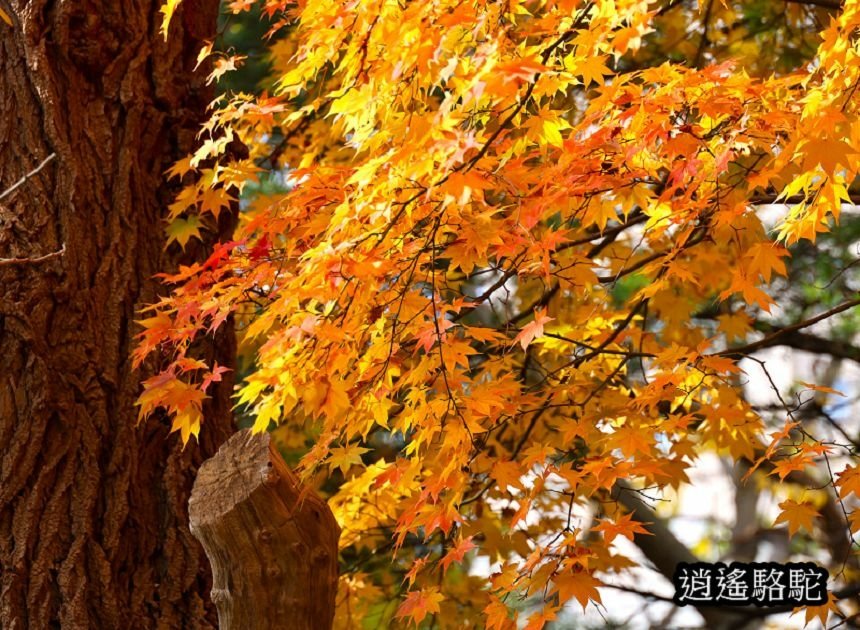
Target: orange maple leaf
[(622, 526), (848, 482), (822, 613), (797, 515), (533, 329), (419, 604), (457, 552), (579, 584)]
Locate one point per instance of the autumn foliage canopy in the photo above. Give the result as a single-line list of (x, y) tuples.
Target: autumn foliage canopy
[(504, 265)]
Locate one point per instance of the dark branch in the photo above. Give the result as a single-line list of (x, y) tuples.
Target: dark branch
[(775, 338), (835, 5)]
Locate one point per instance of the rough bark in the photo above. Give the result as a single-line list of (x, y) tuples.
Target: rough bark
[(93, 516), (272, 542)]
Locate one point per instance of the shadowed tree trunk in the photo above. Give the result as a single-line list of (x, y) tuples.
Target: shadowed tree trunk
[(93, 509), (272, 542), (665, 552)]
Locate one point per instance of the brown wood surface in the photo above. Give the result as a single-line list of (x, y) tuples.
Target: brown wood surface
[(272, 542)]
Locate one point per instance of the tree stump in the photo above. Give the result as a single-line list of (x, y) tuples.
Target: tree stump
[(271, 541)]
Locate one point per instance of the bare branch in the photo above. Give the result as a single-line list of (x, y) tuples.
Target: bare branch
[(775, 338), (24, 179), (34, 260), (817, 345)]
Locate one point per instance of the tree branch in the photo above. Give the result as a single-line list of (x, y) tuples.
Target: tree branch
[(24, 179), (815, 344), (35, 260), (774, 199), (775, 338)]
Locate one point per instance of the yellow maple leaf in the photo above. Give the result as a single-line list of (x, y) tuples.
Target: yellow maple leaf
[(187, 422), (507, 474), (735, 325), (498, 615), (592, 69), (821, 388), (344, 457)]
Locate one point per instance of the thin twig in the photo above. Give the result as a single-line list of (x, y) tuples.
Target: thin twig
[(24, 179), (35, 260)]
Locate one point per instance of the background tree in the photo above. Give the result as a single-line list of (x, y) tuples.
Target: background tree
[(93, 516), (503, 270)]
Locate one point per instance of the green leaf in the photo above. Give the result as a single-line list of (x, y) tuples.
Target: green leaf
[(181, 230)]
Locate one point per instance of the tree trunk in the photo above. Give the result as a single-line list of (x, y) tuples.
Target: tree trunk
[(665, 552), (93, 508), (272, 542)]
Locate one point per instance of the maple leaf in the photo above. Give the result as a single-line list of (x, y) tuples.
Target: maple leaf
[(533, 329), (621, 526), (214, 376), (457, 552), (827, 152), (498, 615), (428, 336), (344, 457), (478, 166), (539, 619), (789, 465), (821, 388), (213, 200), (187, 421), (419, 604), (507, 474), (848, 482), (767, 258), (523, 69), (854, 520), (180, 168), (592, 69), (222, 66), (632, 440), (797, 515), (735, 325), (412, 573), (182, 230), (205, 51), (822, 613), (577, 584)]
